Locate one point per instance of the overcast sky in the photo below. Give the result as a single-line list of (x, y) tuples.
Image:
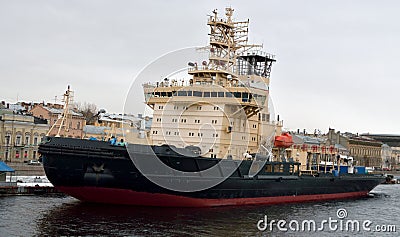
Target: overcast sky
[(337, 61)]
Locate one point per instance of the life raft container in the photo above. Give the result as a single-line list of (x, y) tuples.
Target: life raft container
[(283, 141)]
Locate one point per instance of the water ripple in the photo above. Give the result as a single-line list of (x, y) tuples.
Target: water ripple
[(65, 216)]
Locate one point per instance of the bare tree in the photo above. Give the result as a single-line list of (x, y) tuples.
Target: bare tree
[(89, 111)]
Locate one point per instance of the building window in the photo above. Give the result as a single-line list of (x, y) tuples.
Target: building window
[(158, 119), (155, 131), (26, 140), (197, 121), (198, 107), (200, 134), (18, 140), (176, 133), (7, 139), (191, 134), (174, 120), (25, 154), (17, 154), (34, 155), (215, 135), (216, 108), (160, 107), (214, 121), (35, 140), (168, 133), (176, 107), (78, 125), (183, 120)]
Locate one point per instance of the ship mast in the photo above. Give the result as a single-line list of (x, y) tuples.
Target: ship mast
[(66, 116), (227, 39)]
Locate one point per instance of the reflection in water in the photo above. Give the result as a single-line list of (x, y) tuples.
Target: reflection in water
[(76, 218), (65, 216), (94, 219)]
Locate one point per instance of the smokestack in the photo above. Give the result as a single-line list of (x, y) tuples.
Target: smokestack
[(278, 117), (304, 131)]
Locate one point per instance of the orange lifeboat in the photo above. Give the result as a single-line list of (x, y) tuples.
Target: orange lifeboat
[(283, 141)]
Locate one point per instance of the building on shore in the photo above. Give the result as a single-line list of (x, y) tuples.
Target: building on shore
[(22, 106), (74, 126), (97, 132), (365, 150), (395, 158), (311, 150), (390, 152), (20, 136), (134, 128), (386, 157)]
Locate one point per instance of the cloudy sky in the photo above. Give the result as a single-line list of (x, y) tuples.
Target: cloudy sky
[(337, 61)]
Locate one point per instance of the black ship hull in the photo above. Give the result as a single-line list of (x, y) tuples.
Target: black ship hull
[(95, 171)]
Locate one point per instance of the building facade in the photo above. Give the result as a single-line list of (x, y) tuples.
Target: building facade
[(20, 136), (395, 158), (365, 151), (73, 127), (311, 151), (390, 151)]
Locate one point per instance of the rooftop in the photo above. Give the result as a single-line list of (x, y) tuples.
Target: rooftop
[(60, 111)]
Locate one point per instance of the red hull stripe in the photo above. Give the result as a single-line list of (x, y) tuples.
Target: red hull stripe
[(129, 197)]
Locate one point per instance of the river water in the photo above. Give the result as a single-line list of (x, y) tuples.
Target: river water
[(65, 216)]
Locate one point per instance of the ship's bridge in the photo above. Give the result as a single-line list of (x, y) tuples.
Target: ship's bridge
[(251, 99)]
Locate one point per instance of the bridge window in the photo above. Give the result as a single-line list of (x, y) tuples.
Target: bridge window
[(197, 93), (182, 93)]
